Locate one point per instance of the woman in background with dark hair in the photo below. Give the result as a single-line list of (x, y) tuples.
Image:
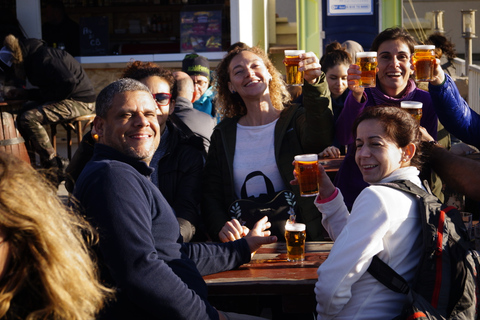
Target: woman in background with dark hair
[(335, 63), (394, 49)]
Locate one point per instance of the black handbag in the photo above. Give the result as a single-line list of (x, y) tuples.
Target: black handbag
[(277, 206)]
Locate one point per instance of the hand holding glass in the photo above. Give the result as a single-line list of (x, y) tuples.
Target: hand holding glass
[(306, 168), (424, 62), (367, 61)]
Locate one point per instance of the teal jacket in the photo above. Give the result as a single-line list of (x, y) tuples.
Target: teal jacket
[(301, 129)]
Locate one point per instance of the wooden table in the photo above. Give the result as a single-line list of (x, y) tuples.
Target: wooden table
[(270, 274)]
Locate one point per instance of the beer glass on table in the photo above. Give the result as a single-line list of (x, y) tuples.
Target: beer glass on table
[(295, 235), (293, 76), (414, 108), (367, 61), (306, 168), (424, 62)]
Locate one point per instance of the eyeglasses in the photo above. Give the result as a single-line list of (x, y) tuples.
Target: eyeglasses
[(162, 99)]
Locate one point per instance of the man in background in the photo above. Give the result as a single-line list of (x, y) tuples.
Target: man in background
[(199, 122), (198, 68)]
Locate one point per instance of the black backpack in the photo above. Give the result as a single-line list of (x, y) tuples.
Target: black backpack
[(447, 274)]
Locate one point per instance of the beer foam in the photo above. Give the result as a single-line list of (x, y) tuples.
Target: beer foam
[(424, 47), (293, 52), (411, 104), (307, 157), (294, 226), (366, 54)]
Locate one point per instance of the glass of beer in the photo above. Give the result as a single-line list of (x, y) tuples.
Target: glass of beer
[(306, 168), (295, 239), (424, 62), (414, 108), (368, 66), (293, 76)]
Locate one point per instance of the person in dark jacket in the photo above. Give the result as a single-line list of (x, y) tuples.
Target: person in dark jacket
[(178, 161), (199, 122), (63, 91), (157, 275)]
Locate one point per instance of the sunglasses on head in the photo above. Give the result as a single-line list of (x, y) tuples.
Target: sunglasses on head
[(162, 99)]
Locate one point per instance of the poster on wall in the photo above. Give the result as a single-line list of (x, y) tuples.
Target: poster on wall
[(200, 31), (349, 7)]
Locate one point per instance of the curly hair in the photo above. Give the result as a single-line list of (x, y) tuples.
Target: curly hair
[(51, 272), (441, 42), (231, 104), (399, 126), (139, 70)]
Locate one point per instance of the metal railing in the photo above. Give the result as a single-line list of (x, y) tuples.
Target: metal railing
[(474, 87), (459, 65)]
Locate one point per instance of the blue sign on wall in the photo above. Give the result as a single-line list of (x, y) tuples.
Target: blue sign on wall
[(349, 7)]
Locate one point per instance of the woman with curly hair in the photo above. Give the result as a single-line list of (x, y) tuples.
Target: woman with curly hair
[(262, 131), (46, 267)]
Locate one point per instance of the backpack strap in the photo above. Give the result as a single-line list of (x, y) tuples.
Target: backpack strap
[(387, 276)]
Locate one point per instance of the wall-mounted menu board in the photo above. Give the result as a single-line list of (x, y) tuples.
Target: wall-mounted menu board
[(94, 36), (200, 31)]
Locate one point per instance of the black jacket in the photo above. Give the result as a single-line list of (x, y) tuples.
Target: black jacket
[(56, 73)]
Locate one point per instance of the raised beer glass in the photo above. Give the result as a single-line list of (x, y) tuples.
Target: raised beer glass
[(424, 62), (293, 76), (306, 168), (367, 61)]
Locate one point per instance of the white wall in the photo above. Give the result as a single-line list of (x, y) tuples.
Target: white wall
[(287, 8)]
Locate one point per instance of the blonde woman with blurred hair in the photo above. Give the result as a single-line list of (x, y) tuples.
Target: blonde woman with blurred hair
[(46, 268)]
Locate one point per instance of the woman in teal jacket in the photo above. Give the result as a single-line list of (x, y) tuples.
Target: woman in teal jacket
[(262, 131)]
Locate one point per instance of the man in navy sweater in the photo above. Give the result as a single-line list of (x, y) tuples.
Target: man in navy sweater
[(140, 249)]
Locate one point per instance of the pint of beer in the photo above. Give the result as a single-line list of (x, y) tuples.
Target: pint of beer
[(414, 108), (306, 168), (424, 62), (368, 66), (293, 76), (295, 239)]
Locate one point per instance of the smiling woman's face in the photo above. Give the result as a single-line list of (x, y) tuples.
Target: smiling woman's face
[(377, 156), (393, 66), (248, 75)]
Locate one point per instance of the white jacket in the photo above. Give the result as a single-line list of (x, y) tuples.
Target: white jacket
[(383, 221)]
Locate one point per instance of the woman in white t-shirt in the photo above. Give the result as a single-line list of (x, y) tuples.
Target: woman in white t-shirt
[(262, 131)]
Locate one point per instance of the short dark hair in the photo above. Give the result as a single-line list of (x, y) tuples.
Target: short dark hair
[(399, 126), (394, 34), (105, 98)]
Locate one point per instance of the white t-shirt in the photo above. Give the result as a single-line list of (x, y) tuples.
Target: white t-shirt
[(255, 151)]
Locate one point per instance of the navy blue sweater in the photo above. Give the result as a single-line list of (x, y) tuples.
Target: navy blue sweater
[(141, 251)]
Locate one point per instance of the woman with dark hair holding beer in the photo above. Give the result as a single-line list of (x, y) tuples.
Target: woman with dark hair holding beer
[(262, 131), (383, 221), (394, 49)]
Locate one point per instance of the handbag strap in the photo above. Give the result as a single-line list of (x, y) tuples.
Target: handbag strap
[(387, 276), (268, 183)]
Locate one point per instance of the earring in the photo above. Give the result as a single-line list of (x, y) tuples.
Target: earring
[(233, 92)]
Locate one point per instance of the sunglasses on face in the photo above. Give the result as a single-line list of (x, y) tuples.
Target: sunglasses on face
[(162, 99)]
